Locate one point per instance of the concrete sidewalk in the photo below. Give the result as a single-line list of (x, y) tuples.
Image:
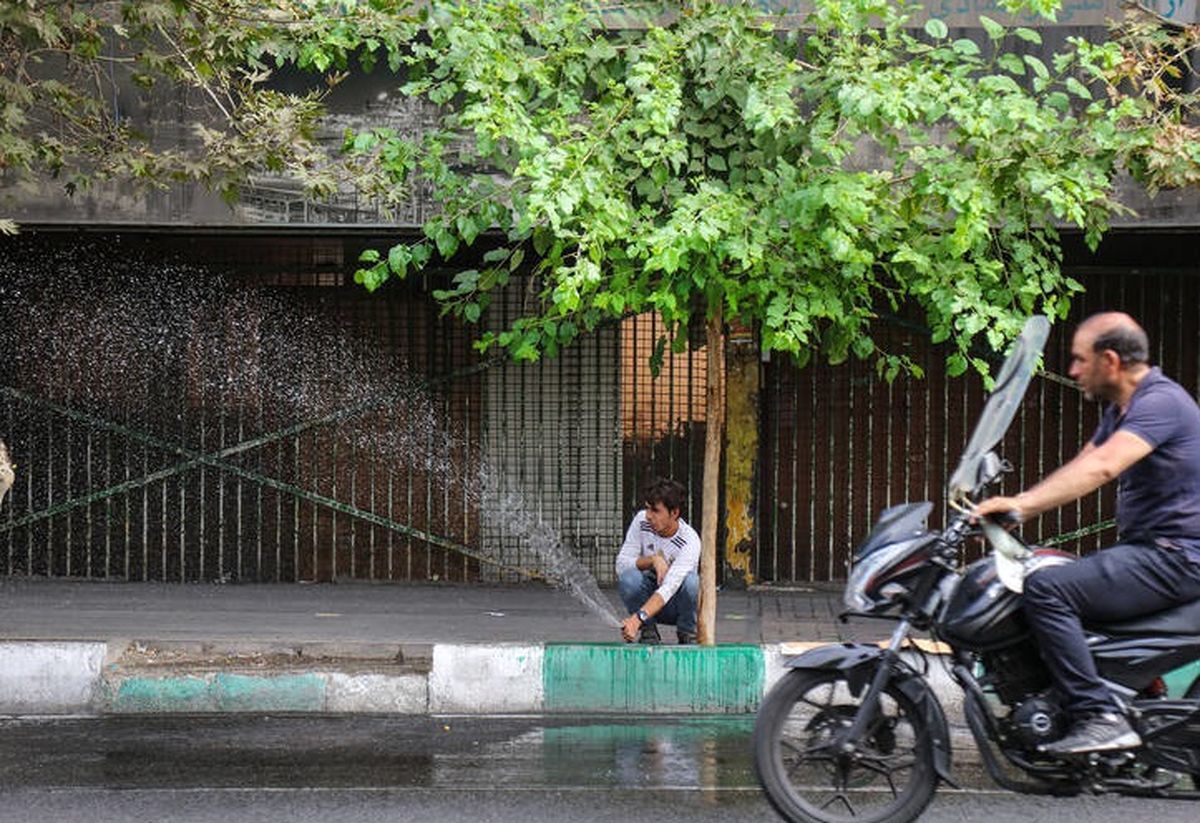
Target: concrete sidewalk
[(95, 648)]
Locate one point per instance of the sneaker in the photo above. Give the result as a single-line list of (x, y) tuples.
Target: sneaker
[(650, 635), (1095, 733), (687, 638)]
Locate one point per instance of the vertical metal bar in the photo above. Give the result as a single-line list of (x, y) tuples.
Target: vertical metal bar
[(8, 428), (852, 468), (333, 518), (295, 512), (316, 517), (202, 503), (182, 481), (279, 458), (87, 477), (258, 505), (446, 421), (127, 552), (236, 572), (872, 457), (162, 530), (814, 400), (108, 461), (68, 543), (429, 474), (468, 479), (391, 513), (353, 502), (372, 463), (29, 507)]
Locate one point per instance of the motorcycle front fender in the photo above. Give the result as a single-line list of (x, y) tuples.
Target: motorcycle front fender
[(859, 661)]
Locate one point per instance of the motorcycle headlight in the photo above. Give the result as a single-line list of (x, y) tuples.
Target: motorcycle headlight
[(864, 591)]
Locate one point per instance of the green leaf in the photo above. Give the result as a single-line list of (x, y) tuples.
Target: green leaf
[(398, 257), (1058, 101), (965, 47), (420, 255), (447, 242), (1039, 68), (1028, 35), (1012, 63), (956, 364), (936, 29), (1078, 89), (471, 312), (994, 30), (369, 256)]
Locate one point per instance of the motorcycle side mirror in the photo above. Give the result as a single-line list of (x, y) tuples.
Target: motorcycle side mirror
[(991, 466)]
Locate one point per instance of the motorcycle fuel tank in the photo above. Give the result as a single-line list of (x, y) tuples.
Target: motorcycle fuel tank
[(982, 614)]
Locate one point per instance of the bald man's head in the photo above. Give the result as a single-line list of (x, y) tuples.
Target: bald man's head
[(1117, 332)]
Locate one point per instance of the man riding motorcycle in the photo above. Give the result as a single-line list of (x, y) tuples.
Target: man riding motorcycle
[(1149, 440)]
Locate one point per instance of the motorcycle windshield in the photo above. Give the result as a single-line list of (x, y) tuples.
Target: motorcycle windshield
[(1011, 383), (895, 525)]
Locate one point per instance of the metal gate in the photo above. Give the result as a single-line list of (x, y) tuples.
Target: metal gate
[(839, 444), (175, 422)]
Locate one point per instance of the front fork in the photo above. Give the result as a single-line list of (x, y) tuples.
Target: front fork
[(869, 708)]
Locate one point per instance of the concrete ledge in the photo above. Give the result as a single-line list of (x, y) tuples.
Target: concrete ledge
[(57, 677), (39, 677), (219, 692), (653, 679), (377, 694), (485, 679)]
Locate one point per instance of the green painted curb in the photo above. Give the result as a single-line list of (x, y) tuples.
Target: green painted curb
[(153, 695), (1179, 680), (282, 693), (219, 693), (605, 677)]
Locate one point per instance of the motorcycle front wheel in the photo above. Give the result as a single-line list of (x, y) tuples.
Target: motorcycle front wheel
[(888, 777)]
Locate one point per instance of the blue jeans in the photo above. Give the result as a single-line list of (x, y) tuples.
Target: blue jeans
[(1118, 583), (636, 586)]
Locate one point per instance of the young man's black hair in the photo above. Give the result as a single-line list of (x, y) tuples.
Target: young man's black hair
[(670, 493)]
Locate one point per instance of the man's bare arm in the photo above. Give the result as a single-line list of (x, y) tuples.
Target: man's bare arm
[(1089, 470)]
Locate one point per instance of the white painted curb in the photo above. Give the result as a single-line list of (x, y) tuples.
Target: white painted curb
[(376, 693), (484, 679), (49, 677)]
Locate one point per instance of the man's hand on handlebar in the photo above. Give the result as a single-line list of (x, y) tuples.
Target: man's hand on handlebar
[(1006, 511)]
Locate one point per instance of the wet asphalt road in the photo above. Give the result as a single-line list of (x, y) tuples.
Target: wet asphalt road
[(232, 769)]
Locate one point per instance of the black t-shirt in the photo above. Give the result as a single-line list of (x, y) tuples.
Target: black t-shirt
[(1158, 497)]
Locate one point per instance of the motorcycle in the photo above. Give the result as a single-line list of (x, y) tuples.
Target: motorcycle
[(856, 732)]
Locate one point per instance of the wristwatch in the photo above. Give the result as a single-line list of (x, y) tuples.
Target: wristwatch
[(642, 616)]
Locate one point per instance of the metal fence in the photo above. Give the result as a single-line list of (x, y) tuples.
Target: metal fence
[(172, 422), (839, 445), (232, 408)]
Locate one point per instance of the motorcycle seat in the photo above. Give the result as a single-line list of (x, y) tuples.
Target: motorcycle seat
[(1183, 619)]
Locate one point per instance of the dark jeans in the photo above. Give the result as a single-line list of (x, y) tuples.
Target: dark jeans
[(635, 588), (1118, 583)]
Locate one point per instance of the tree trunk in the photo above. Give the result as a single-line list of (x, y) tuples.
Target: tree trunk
[(714, 428)]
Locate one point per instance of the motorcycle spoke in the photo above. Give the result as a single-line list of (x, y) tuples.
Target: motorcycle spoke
[(887, 764), (845, 802), (806, 753), (886, 774)]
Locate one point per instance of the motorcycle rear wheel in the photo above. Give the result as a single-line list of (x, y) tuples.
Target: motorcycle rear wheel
[(889, 778)]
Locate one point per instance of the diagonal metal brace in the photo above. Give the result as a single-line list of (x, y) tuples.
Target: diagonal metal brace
[(214, 460)]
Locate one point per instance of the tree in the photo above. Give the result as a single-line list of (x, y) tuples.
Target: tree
[(706, 167), (70, 72)]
